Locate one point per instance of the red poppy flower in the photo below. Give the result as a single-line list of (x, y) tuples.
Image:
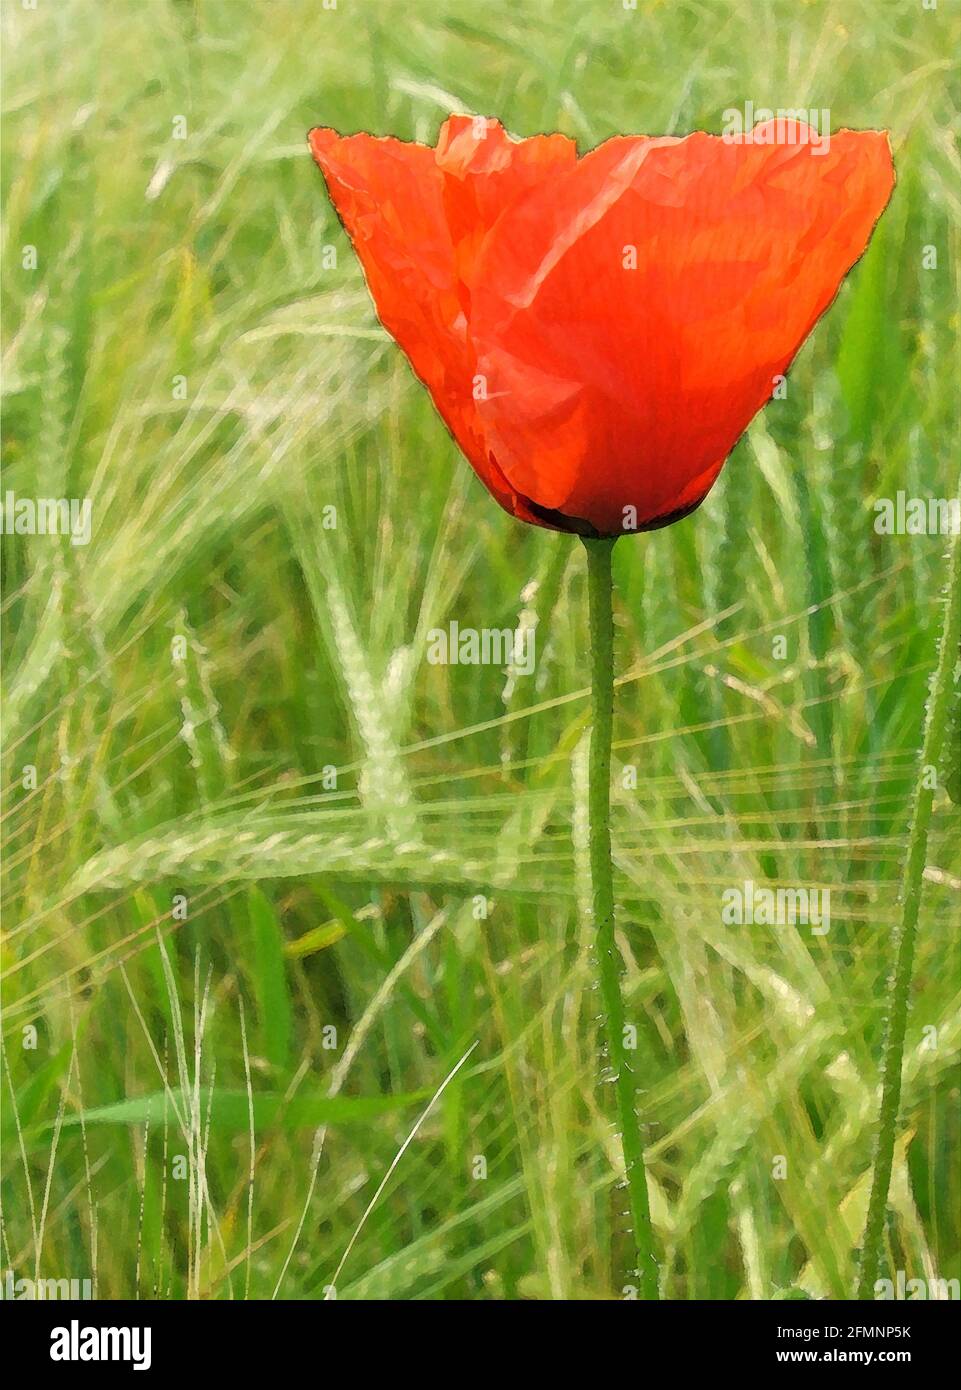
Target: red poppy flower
[(597, 332)]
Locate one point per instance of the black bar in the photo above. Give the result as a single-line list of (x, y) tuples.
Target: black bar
[(723, 1338)]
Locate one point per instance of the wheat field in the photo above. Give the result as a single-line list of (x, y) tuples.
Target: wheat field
[(269, 875)]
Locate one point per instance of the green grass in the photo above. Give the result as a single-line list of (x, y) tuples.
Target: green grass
[(335, 964)]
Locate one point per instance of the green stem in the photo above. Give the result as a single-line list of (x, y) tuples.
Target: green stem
[(906, 930), (602, 889)]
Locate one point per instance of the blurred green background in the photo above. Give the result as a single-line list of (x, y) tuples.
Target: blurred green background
[(190, 355)]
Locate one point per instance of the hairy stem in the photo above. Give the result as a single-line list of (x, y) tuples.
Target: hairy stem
[(602, 888), (905, 934)]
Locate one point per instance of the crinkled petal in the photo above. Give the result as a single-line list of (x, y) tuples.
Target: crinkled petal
[(394, 199), (485, 171), (630, 317), (389, 196)]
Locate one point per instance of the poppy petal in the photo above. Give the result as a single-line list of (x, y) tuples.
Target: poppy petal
[(484, 171), (389, 195), (629, 317)]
